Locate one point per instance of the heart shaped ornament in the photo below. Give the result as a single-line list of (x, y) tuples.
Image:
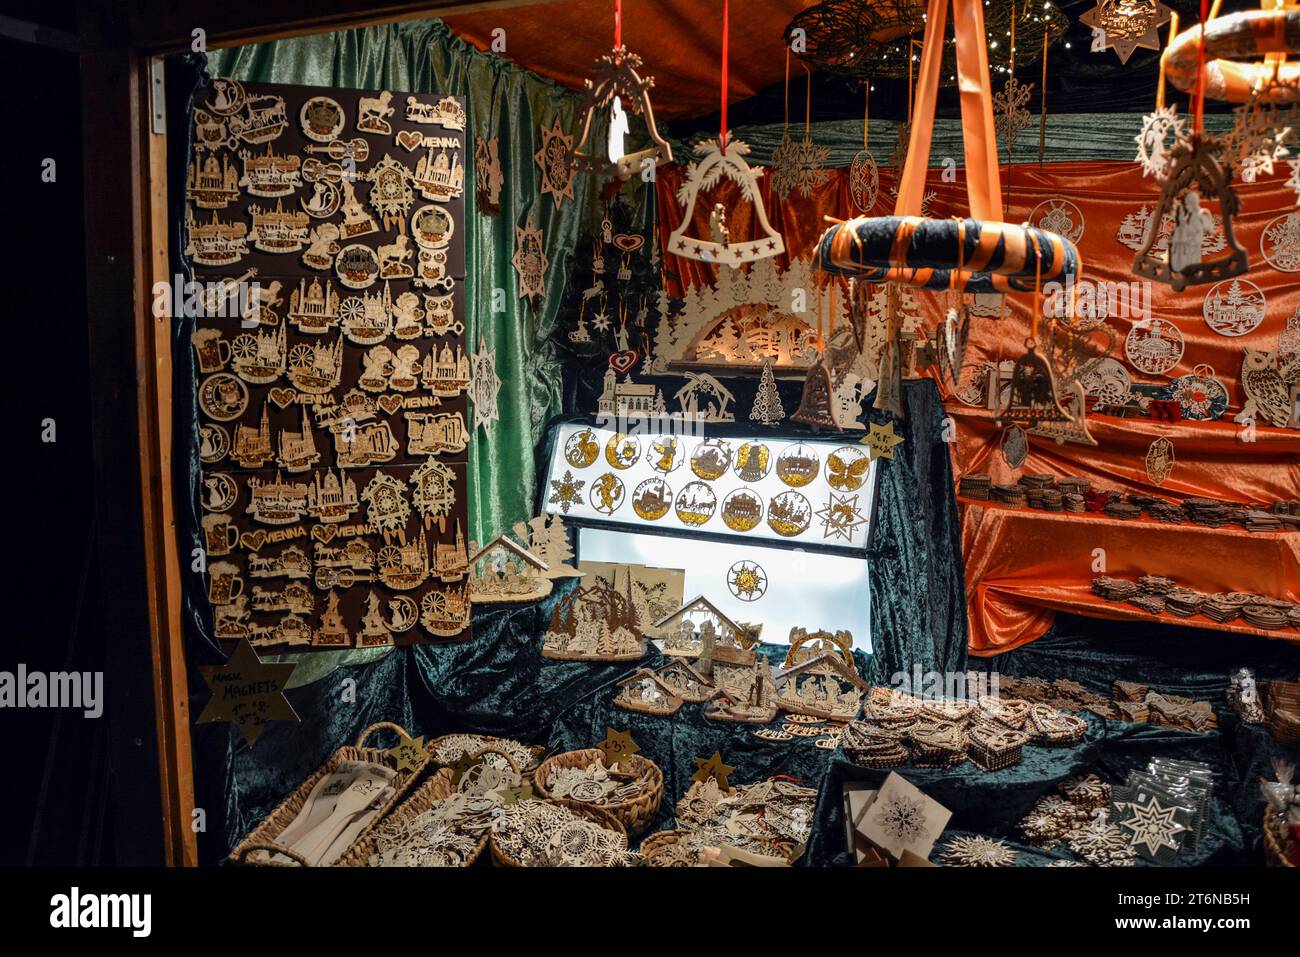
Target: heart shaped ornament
[(283, 398), (410, 139), (324, 533), (623, 362), (629, 243), (389, 403), (253, 540)]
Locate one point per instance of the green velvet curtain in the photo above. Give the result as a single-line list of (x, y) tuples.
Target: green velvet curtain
[(513, 105)]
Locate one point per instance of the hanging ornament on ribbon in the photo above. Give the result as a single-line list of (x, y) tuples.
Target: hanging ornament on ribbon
[(798, 166), (918, 251), (619, 88), (723, 157), (1127, 24), (1033, 396), (864, 176)]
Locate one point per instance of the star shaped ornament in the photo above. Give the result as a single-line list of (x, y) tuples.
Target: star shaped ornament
[(515, 793), (1128, 24), (409, 753), (554, 159), (1153, 826), (247, 693), (617, 746), (714, 768), (880, 441), (484, 385)]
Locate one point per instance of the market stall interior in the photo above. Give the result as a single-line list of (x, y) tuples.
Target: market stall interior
[(837, 433)]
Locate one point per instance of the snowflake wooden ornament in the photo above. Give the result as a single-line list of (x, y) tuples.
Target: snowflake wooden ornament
[(484, 385), (554, 159), (1010, 115), (976, 850), (799, 165), (1160, 132), (702, 175), (530, 260)]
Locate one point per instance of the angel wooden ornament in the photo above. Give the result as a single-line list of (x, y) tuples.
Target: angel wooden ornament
[(1194, 174), (716, 160)]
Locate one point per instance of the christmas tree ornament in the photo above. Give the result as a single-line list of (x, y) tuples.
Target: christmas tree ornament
[(617, 89), (1127, 24), (767, 408)]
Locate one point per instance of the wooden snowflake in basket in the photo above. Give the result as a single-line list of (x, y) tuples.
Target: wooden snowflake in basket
[(978, 851), (798, 165)]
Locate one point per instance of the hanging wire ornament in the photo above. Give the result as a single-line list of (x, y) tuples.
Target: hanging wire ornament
[(862, 38), (1033, 396), (864, 177), (1010, 116)]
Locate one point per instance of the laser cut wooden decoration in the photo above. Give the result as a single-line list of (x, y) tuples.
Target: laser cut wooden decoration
[(554, 159), (1194, 174), (345, 529), (618, 87), (714, 162), (530, 260)]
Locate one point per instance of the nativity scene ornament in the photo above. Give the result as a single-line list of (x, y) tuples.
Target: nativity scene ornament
[(717, 159), (1127, 24)]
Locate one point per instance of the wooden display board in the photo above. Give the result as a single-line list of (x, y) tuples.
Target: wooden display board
[(331, 402)]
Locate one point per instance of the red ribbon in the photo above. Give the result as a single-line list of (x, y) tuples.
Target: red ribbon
[(1200, 72), (726, 16), (618, 23)]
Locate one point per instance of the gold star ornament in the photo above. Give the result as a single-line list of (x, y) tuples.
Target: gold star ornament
[(713, 767), (247, 693), (880, 441), (409, 753), (1127, 24), (617, 746)]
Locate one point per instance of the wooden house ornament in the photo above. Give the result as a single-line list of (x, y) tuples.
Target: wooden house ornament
[(595, 623), (696, 628), (745, 692), (504, 571), (646, 692)]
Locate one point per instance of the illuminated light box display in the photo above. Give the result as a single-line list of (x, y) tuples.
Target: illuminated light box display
[(772, 530)]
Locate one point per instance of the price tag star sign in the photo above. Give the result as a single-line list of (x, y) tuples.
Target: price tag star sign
[(409, 753), (881, 440), (616, 746), (713, 767), (247, 693)]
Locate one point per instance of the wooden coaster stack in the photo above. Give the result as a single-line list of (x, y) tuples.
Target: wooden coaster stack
[(975, 486), (1123, 510), (1113, 589), (1183, 602), (1206, 511), (1010, 495)]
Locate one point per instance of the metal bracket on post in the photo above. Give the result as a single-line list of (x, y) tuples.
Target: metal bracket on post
[(157, 95)]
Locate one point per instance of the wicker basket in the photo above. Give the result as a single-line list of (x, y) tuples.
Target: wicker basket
[(437, 788), (656, 850), (498, 745), (635, 815), (592, 813), (263, 837), (1274, 853)]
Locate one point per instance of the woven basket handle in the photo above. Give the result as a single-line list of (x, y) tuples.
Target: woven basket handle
[(271, 849), (493, 749), (377, 726)]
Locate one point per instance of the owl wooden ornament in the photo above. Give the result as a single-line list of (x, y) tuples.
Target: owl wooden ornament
[(1267, 385)]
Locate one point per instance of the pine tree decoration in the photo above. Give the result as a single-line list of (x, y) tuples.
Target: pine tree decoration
[(767, 404)]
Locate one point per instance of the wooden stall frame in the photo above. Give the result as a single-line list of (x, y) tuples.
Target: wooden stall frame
[(127, 252)]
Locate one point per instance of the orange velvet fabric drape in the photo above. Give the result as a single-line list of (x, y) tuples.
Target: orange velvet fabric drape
[(1017, 570)]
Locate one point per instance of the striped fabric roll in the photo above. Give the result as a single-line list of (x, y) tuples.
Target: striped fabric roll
[(915, 251)]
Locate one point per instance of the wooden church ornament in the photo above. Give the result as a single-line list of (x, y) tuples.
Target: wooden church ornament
[(715, 161), (618, 87), (1192, 174)]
